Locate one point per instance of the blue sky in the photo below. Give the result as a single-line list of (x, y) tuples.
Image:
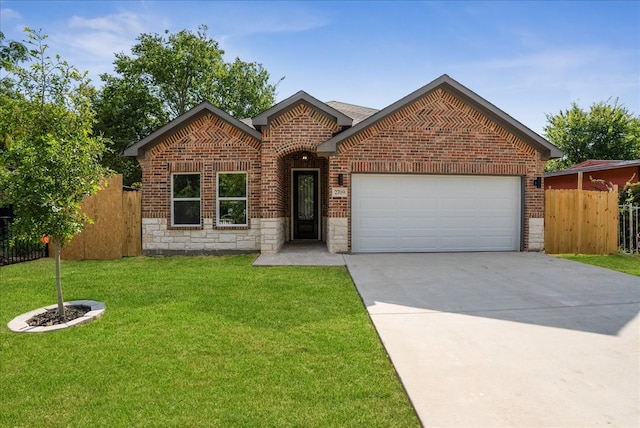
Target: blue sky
[(527, 58)]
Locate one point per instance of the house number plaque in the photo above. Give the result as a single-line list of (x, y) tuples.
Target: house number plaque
[(339, 192)]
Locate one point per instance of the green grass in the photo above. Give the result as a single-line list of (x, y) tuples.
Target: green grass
[(620, 262), (196, 341)]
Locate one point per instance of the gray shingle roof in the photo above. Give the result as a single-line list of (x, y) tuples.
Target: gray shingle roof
[(357, 113), (300, 96)]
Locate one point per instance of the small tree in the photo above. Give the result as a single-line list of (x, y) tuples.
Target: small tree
[(51, 160)]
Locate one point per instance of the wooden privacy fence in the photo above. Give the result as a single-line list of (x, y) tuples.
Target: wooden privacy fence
[(581, 222), (116, 230)]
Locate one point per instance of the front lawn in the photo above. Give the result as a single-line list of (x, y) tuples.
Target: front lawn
[(196, 341), (620, 262)]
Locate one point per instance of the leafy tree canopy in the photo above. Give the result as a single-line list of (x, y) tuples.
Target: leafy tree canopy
[(606, 131), (11, 52), (165, 76), (50, 160)]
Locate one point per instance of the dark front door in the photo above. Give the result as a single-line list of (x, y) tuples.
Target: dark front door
[(305, 205)]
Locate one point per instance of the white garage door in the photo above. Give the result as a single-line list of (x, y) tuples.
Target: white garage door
[(435, 213)]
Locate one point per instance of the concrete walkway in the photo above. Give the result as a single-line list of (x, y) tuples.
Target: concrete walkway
[(507, 339), (301, 253)]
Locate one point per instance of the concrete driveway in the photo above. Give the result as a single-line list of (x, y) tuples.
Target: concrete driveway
[(507, 339)]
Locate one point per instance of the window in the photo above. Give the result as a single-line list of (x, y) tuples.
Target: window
[(185, 199), (232, 199)]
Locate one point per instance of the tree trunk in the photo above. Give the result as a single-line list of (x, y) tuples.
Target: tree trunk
[(58, 285)]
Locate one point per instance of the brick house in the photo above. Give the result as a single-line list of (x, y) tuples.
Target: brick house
[(441, 169)]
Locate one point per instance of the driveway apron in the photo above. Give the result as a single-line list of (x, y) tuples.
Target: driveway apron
[(507, 339)]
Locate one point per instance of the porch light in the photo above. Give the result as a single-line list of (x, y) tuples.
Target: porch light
[(340, 179), (537, 182), (305, 156)]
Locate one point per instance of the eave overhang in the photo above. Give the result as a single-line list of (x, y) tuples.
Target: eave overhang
[(446, 83), (137, 149), (283, 106)]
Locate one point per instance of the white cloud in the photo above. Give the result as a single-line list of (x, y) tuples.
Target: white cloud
[(95, 40), (125, 22), (557, 60), (266, 18), (9, 14), (91, 43)]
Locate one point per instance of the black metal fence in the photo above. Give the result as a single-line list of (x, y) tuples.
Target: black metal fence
[(18, 251)]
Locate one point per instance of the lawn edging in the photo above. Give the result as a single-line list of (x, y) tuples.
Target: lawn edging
[(19, 323)]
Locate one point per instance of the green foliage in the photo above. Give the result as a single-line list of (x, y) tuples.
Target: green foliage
[(630, 194), (186, 186), (606, 131), (243, 89), (165, 76), (50, 160), (232, 185), (11, 52), (125, 112)]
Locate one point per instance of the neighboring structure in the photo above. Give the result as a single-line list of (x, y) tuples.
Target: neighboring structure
[(611, 171), (441, 169)]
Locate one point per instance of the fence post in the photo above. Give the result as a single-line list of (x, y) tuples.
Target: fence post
[(631, 234), (580, 221)]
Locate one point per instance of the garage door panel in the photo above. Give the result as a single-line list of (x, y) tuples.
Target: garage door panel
[(381, 233), (417, 202), (416, 244), (396, 213), (417, 232), (458, 243), (498, 243), (497, 204), (417, 223), (457, 222), (494, 224), (379, 242), (377, 203), (378, 187)]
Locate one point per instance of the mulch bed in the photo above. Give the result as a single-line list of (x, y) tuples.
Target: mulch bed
[(51, 317)]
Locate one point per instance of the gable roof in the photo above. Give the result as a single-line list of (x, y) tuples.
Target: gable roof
[(299, 97), (595, 165), (446, 83), (357, 113), (181, 121)]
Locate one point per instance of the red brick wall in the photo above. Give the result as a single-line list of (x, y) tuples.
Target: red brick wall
[(207, 145), (301, 128), (438, 134)]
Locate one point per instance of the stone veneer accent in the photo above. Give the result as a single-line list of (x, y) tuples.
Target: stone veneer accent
[(536, 234), (157, 239), (273, 234), (338, 234)]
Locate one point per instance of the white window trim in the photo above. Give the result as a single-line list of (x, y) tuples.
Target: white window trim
[(199, 199), (245, 198)]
